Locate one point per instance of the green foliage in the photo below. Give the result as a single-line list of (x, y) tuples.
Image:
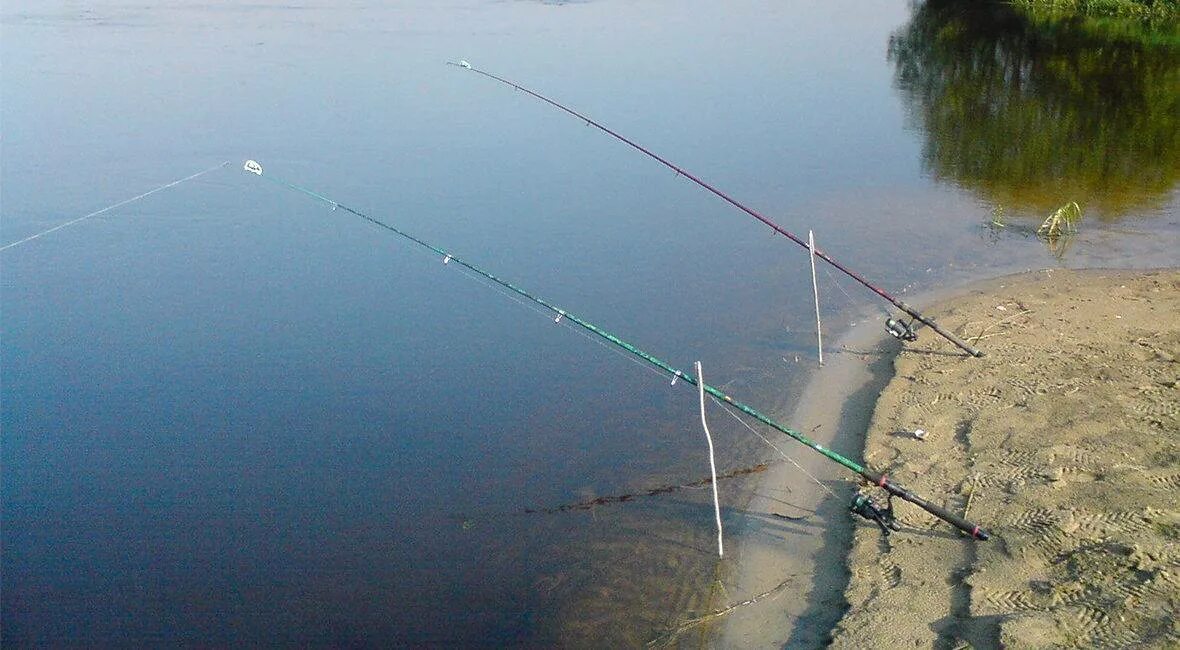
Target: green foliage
[(1026, 107), (1162, 10)]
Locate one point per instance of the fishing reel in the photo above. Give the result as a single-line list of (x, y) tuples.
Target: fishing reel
[(863, 505), (900, 330)]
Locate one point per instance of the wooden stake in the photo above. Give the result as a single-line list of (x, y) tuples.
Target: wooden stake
[(819, 334)]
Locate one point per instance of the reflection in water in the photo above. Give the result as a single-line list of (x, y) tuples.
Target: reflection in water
[(1035, 111)]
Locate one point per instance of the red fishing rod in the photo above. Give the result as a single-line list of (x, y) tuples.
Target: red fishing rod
[(900, 330)]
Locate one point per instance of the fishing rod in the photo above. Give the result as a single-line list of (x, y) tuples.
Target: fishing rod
[(862, 505), (904, 331)]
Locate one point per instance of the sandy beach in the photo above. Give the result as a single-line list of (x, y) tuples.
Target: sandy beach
[(1063, 441)]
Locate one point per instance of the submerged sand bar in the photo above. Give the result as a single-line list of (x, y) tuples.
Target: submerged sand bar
[(1064, 442)]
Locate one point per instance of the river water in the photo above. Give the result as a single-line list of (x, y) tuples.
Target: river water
[(233, 416)]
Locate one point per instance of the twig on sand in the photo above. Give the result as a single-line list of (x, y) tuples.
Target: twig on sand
[(667, 638), (971, 494), (980, 336)]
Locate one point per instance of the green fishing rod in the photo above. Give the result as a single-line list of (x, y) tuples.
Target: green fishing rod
[(862, 505)]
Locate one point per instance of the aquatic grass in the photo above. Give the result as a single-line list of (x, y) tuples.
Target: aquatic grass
[(1063, 221), (1059, 228), (998, 218)]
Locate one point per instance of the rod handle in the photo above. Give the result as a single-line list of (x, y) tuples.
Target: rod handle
[(965, 346), (973, 530)]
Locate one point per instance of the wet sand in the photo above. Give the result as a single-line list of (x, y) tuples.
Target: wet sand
[(1064, 442), (794, 530)]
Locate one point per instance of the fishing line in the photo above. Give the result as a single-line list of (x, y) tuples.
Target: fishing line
[(896, 302), (500, 290), (616, 351), (568, 326), (850, 301), (113, 206), (875, 478), (533, 308), (775, 447)]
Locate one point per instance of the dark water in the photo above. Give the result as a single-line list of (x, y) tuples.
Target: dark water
[(232, 416)]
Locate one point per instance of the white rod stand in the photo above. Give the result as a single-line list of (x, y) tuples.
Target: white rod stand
[(819, 333), (712, 460)]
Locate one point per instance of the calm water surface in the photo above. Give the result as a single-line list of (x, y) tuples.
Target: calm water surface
[(233, 416)]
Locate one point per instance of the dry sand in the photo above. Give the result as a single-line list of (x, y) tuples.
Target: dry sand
[(1064, 442)]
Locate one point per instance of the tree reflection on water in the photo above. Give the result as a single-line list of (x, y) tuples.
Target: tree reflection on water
[(1032, 111)]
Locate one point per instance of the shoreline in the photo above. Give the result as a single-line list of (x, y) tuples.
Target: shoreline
[(833, 409), (1063, 442), (835, 561)]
